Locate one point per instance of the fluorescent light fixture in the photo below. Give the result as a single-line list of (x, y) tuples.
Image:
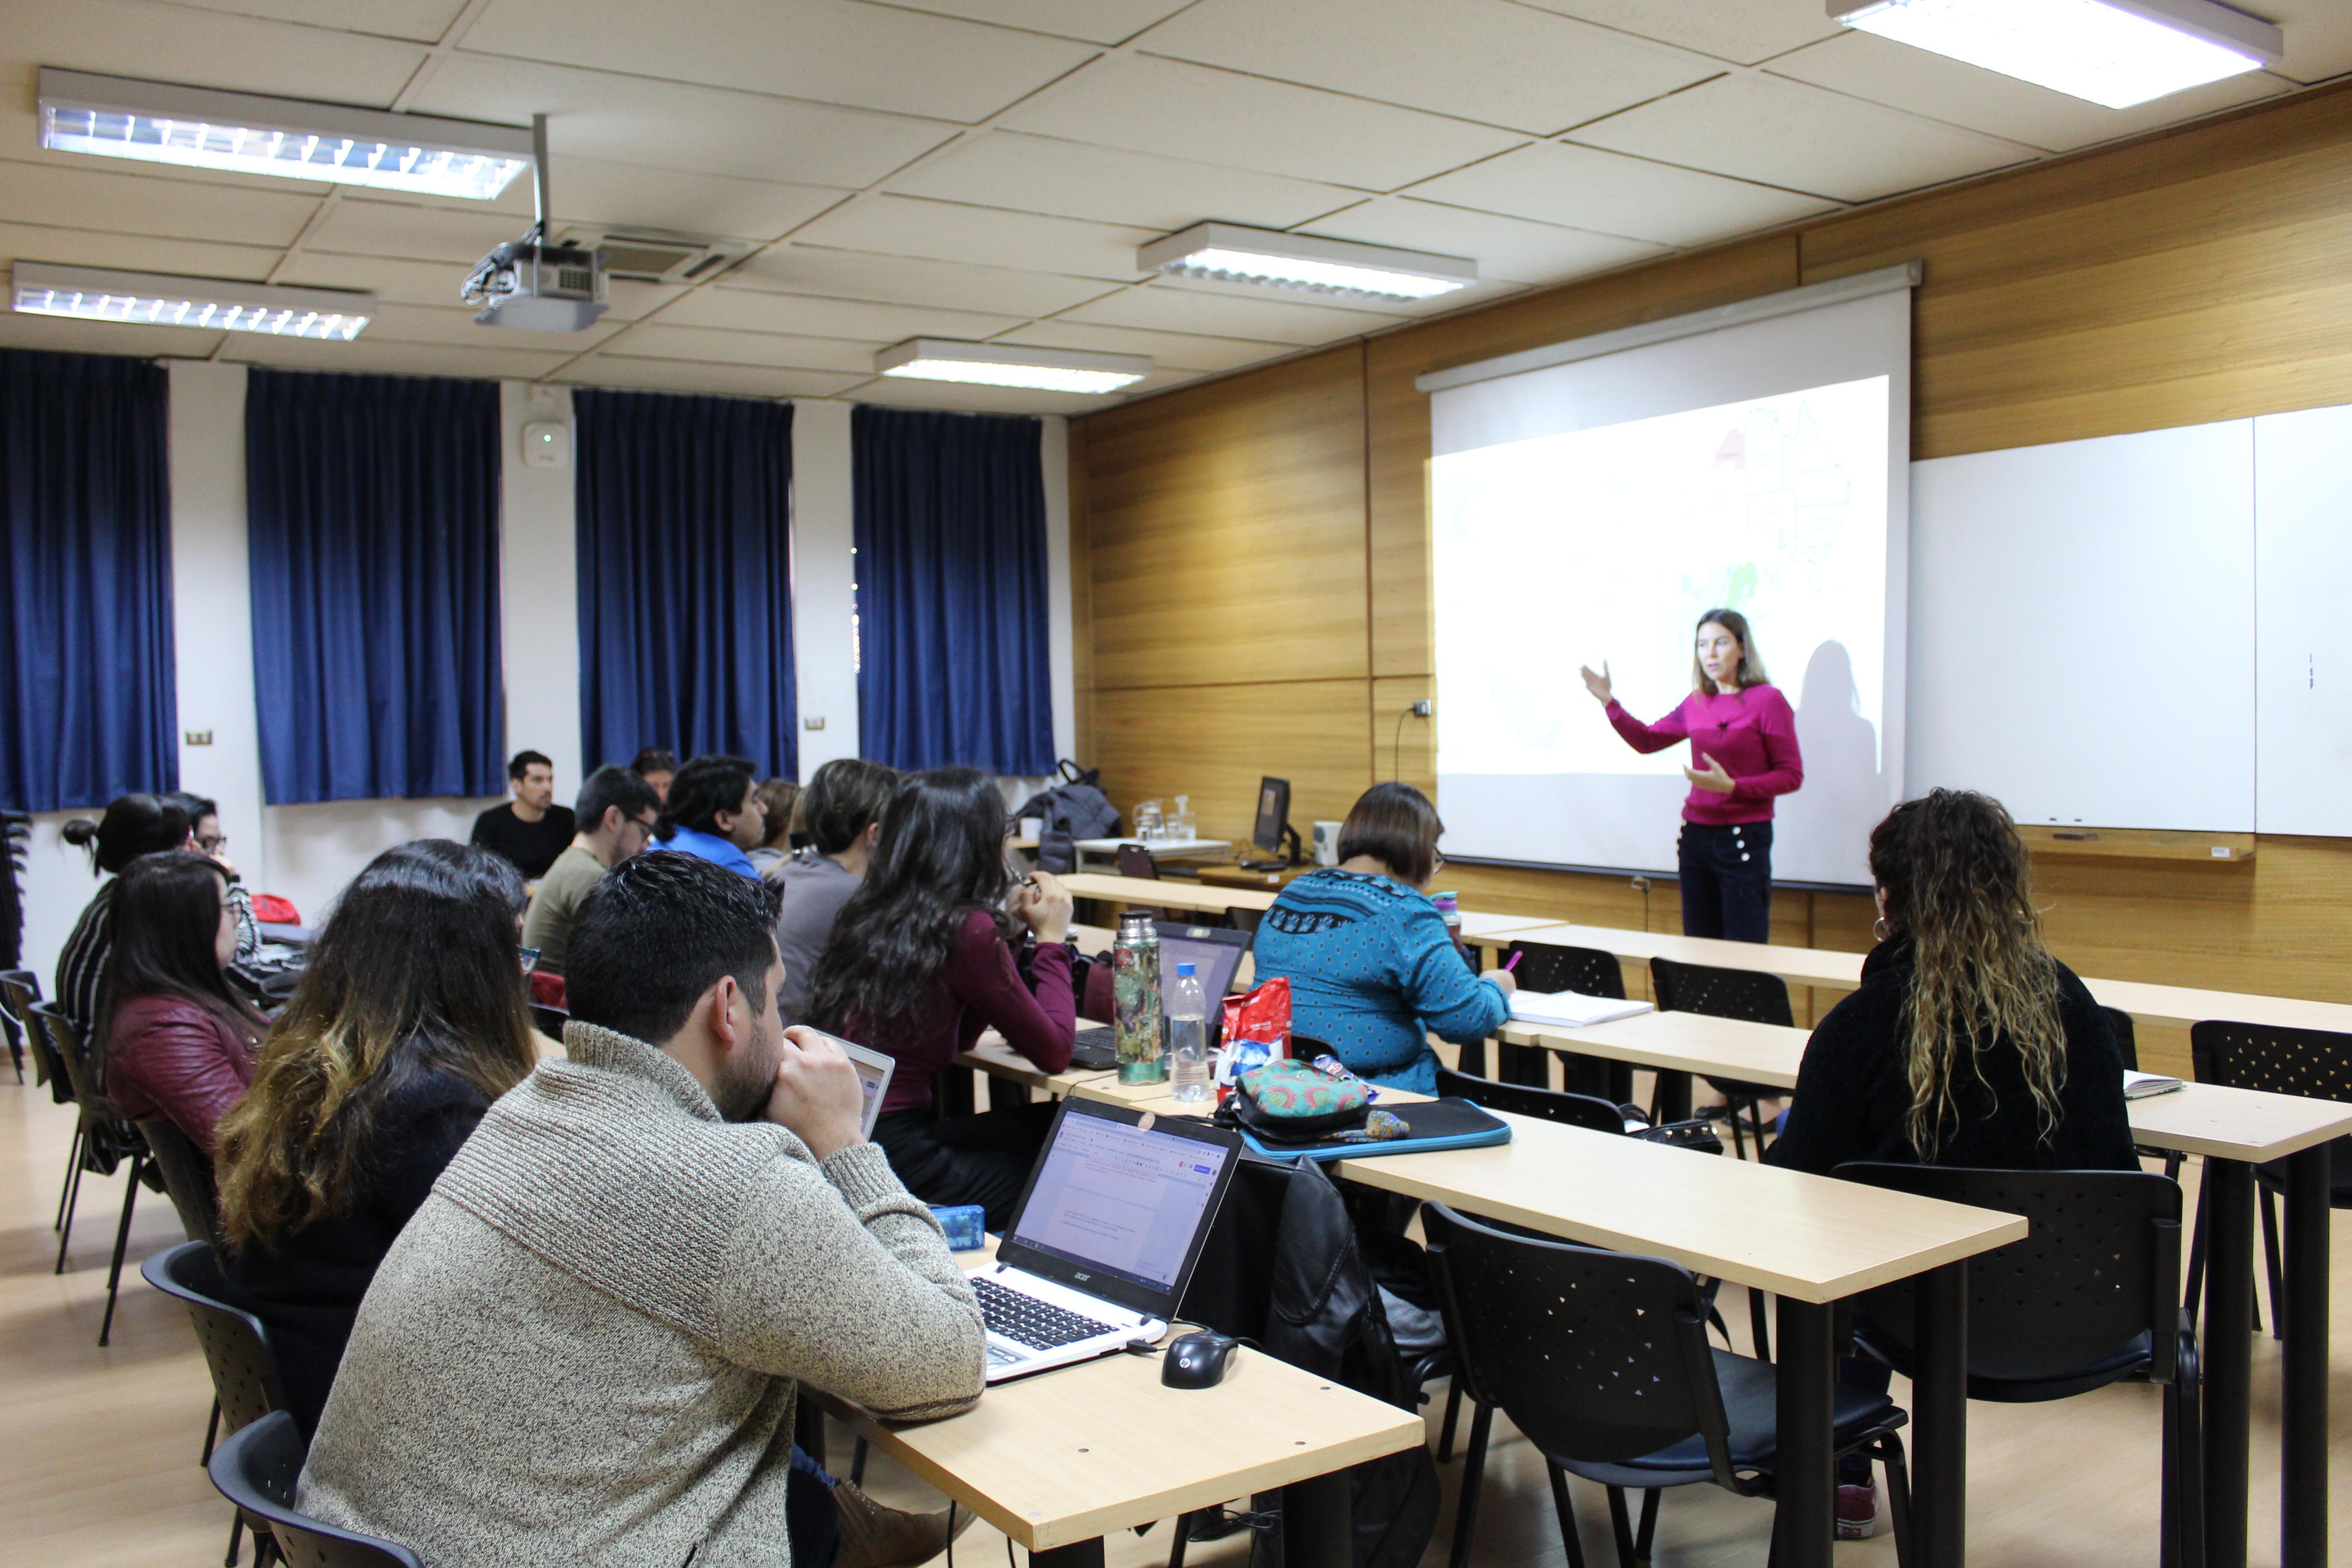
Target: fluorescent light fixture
[(1227, 253), (151, 298), (1002, 365), (244, 133), (2111, 52)]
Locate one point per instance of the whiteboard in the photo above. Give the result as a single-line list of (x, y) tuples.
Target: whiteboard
[(2303, 662), (2082, 628)]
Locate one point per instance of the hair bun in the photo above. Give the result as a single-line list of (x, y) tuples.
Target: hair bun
[(81, 831)]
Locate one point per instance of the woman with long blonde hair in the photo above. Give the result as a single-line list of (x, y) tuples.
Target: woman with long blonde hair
[(1966, 1044), (412, 1017)]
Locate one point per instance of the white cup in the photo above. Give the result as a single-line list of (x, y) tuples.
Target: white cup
[(1327, 842), (1033, 827)]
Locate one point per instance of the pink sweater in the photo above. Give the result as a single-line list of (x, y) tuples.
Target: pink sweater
[(1752, 734)]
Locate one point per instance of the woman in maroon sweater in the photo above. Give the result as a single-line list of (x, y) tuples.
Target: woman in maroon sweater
[(179, 1044), (921, 961)]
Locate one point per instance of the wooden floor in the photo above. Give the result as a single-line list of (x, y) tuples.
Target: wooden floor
[(98, 1455)]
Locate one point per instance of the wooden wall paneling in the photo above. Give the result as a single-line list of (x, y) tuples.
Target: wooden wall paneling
[(1215, 742), (1226, 530), (1398, 412)]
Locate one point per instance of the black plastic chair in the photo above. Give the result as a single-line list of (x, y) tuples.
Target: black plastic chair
[(2316, 1064), (1589, 971), (257, 1470), (245, 1384), (1745, 993), (2126, 1037), (1601, 1359), (2090, 1296), (13, 1022), (550, 1020), (188, 1175), (107, 1141), (1521, 1099)]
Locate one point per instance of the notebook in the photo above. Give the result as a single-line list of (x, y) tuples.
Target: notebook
[(2140, 1085), (1572, 1010), (1106, 1238)]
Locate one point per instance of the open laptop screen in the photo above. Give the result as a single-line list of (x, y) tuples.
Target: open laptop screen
[(1116, 1203)]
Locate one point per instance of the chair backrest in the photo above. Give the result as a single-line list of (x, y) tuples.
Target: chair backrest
[(19, 989), (1719, 993), (1521, 1099), (2126, 1037), (549, 1021), (236, 1344), (1587, 970), (66, 1044), (256, 1469), (187, 1179), (2100, 1267), (2314, 1063), (1595, 1355), (1136, 860)]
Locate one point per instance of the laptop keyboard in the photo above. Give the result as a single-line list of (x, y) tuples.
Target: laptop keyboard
[(1026, 1320)]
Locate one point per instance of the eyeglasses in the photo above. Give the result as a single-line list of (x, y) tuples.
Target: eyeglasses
[(213, 845)]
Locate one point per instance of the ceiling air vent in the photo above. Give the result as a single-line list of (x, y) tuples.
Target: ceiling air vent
[(656, 256)]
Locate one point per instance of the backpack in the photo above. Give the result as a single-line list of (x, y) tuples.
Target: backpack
[(1077, 809)]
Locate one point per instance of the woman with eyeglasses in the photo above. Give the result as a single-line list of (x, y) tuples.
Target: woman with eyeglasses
[(205, 834), (1372, 969), (411, 1018)]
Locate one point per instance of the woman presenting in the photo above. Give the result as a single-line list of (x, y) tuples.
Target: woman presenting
[(1743, 736)]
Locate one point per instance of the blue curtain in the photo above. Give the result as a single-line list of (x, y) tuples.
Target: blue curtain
[(952, 617), (87, 700), (371, 504), (686, 577)]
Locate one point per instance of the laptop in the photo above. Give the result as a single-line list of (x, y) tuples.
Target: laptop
[(1106, 1238), (1216, 954)]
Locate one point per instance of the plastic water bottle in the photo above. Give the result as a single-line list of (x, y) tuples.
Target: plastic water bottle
[(1188, 1038), (1449, 909)]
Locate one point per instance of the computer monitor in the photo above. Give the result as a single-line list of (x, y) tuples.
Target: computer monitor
[(1274, 819)]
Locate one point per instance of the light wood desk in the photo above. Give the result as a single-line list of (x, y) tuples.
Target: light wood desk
[(1825, 1239), (1166, 895), (1805, 965)]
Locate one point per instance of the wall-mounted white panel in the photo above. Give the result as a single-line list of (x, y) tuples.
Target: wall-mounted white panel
[(2302, 653), (2083, 628)]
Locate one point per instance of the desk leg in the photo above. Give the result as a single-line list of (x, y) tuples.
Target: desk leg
[(2228, 1351), (1939, 1416), (1805, 1522), (1078, 1554), (1318, 1522), (1674, 1096), (2302, 1469)]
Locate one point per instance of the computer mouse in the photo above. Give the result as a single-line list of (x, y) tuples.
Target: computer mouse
[(1197, 1361)]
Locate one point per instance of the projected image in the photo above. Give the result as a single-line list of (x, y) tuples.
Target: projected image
[(1603, 546)]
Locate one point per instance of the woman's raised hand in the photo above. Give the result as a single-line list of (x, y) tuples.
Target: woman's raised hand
[(1598, 684)]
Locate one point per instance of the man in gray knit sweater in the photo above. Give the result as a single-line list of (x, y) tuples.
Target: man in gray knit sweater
[(585, 1346)]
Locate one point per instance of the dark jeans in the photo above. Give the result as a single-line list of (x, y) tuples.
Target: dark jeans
[(1727, 876), (811, 1521), (982, 1159)]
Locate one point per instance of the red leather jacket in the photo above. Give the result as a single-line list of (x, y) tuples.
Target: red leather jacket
[(170, 1057)]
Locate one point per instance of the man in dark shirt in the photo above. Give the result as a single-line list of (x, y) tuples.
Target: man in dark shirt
[(529, 829)]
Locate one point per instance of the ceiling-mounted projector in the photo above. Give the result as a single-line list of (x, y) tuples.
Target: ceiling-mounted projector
[(534, 286)]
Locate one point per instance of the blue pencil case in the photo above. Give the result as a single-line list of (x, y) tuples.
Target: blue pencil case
[(1436, 1124), (964, 1226)]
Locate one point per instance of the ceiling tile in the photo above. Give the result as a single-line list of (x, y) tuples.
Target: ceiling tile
[(135, 253), (1191, 111), (1867, 66), (709, 346), (61, 335), (898, 391), (829, 51), (1505, 247), (454, 324), (948, 231), (1168, 350), (1097, 21), (1742, 30), (632, 197), (807, 315), (1160, 307), (361, 226), (390, 358), (202, 48), (1800, 138), (436, 283), (423, 20), (1580, 187), (1111, 185), (1487, 60), (84, 198), (901, 280), (670, 125), (720, 379)]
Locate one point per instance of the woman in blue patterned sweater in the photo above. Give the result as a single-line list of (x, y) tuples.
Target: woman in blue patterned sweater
[(1373, 971)]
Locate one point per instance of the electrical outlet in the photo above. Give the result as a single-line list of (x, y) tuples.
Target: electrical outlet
[(813, 721), (1421, 709), (197, 737)]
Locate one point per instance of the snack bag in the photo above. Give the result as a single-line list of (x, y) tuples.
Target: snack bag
[(1257, 1031)]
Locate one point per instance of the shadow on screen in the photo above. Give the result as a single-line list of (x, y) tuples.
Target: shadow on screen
[(1842, 799)]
